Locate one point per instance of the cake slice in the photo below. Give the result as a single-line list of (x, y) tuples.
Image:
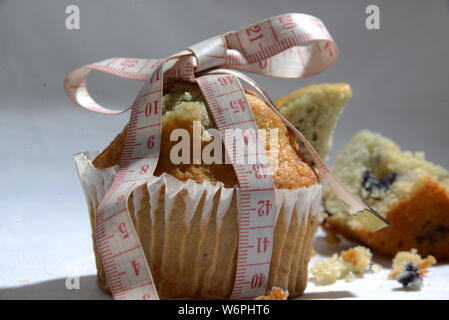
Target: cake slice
[(314, 111), (410, 192)]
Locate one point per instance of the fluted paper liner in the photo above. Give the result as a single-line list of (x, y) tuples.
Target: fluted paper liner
[(189, 232)]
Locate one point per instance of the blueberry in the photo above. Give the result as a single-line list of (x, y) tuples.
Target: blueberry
[(410, 278), (372, 187), (411, 267)]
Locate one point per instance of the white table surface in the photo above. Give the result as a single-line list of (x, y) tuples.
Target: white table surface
[(46, 276)]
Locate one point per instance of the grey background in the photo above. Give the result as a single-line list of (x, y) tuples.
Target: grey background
[(399, 75)]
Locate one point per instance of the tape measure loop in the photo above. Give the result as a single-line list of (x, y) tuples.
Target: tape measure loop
[(209, 53)]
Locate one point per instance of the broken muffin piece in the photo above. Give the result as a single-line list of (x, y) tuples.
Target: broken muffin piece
[(314, 110), (410, 192)]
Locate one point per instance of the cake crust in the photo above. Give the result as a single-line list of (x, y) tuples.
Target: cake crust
[(418, 222)]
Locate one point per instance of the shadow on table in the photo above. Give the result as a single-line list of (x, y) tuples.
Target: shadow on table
[(56, 290), (325, 248)]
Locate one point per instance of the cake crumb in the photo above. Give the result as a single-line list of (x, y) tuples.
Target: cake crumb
[(409, 268), (349, 265), (375, 267), (412, 256), (350, 277), (275, 294), (326, 272), (358, 258)]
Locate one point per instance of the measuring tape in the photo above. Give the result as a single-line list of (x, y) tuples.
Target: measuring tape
[(256, 187), (288, 46)]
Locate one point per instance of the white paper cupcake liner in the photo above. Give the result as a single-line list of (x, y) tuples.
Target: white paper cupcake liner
[(189, 232)]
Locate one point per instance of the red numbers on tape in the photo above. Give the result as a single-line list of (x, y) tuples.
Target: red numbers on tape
[(254, 33), (122, 230), (264, 207), (150, 142), (258, 280), (263, 244), (238, 105), (144, 169), (129, 63), (287, 22), (136, 267), (128, 255), (261, 170), (156, 76), (152, 108), (225, 80)]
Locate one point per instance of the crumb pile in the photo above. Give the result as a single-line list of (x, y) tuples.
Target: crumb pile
[(349, 265)]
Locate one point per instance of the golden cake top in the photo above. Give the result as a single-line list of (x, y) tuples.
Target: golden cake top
[(183, 104)]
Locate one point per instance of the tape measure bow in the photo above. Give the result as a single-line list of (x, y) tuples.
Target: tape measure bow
[(287, 46)]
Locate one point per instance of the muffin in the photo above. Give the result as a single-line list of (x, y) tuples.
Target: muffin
[(186, 215), (410, 192), (314, 110)]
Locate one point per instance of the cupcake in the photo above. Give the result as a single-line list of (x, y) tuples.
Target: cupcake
[(409, 191), (186, 215)]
